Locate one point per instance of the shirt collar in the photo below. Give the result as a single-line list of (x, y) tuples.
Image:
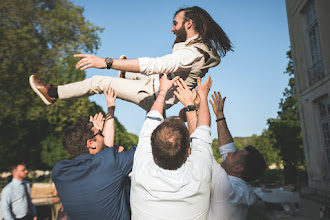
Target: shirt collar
[(84, 157), (16, 181), (192, 38), (236, 179)]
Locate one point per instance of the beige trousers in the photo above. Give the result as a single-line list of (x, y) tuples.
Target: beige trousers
[(139, 92)]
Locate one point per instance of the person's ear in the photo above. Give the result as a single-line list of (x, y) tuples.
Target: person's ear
[(188, 24), (238, 169), (90, 144), (189, 151)]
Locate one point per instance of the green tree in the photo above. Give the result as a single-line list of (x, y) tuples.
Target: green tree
[(39, 37), (285, 129)]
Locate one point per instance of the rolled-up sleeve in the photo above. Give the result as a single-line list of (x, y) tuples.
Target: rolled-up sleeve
[(153, 119), (183, 59), (225, 149), (201, 140)]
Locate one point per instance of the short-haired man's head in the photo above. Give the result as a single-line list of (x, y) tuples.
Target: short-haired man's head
[(170, 143), (254, 164), (14, 167), (19, 171), (75, 138), (209, 31)]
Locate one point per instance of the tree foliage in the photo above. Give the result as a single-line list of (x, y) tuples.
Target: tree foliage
[(285, 129), (40, 37)]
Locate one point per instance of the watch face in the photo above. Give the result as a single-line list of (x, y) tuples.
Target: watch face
[(109, 61), (190, 108)]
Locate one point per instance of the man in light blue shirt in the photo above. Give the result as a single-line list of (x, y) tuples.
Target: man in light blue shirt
[(16, 201)]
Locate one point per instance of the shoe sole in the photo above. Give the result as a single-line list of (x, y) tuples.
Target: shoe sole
[(38, 92)]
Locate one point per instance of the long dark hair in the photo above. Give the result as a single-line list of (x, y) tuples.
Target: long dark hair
[(210, 33)]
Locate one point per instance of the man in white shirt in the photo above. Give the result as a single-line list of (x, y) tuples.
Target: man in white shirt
[(171, 172), (231, 195), (199, 44)]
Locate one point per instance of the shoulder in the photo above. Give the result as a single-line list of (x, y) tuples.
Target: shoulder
[(6, 190)]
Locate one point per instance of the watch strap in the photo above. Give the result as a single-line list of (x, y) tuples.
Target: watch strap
[(190, 108)]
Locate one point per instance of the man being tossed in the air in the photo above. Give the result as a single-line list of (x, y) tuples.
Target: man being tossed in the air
[(199, 44)]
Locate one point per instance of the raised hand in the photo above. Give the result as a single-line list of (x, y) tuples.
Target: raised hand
[(89, 60), (203, 90), (183, 93), (165, 84), (217, 104), (98, 121), (110, 96)]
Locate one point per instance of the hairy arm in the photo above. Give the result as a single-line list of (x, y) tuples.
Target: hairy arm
[(224, 135), (89, 61), (109, 125), (203, 117), (164, 86)]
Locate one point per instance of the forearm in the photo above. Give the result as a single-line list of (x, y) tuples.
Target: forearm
[(191, 121), (131, 65), (203, 117), (224, 136), (159, 102), (109, 127)]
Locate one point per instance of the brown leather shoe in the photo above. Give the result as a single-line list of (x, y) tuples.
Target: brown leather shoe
[(121, 74), (41, 89)]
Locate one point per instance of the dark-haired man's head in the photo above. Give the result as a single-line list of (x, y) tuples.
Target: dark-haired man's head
[(194, 20), (247, 164), (179, 28), (170, 144), (82, 138)]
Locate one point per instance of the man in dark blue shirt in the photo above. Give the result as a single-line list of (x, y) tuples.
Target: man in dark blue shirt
[(95, 185)]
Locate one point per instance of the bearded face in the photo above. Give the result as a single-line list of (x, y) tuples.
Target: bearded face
[(181, 34)]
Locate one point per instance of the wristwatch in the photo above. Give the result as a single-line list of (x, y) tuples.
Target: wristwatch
[(109, 62), (190, 108)]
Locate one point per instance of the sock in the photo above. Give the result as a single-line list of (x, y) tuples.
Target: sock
[(52, 92)]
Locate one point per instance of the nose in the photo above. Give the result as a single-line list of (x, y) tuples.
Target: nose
[(173, 29)]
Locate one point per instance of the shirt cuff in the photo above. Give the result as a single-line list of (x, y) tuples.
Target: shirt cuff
[(143, 62), (203, 133), (225, 149), (155, 115)]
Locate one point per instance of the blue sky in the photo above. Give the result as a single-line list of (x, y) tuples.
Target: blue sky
[(251, 78)]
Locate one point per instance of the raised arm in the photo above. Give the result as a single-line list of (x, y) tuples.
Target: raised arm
[(224, 135), (187, 97), (164, 86), (109, 125), (203, 117)]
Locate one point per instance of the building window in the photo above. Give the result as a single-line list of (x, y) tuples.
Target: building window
[(316, 70), (324, 113)]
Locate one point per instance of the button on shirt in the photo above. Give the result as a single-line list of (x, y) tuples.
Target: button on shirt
[(15, 203), (95, 186), (230, 196), (184, 193)]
